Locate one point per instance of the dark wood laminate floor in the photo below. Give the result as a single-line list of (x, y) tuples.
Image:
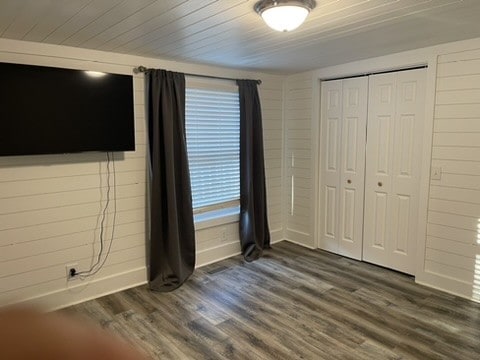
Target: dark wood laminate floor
[(294, 303)]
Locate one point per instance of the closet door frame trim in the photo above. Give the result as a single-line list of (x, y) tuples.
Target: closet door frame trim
[(395, 62)]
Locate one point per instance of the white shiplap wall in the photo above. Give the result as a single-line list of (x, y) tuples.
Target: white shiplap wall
[(449, 239), (453, 230), (271, 94), (49, 205), (49, 215), (300, 166), (212, 245)]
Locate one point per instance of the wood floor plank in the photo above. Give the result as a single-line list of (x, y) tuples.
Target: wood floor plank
[(293, 303), (146, 336), (273, 314)]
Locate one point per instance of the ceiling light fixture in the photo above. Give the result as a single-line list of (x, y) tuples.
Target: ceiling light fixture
[(284, 15)]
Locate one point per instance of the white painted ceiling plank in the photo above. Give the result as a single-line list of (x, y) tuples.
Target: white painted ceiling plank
[(262, 37), (112, 17), (160, 19), (191, 16), (262, 49), (336, 24), (25, 19), (133, 21), (230, 33), (233, 28), (224, 19), (88, 14), (56, 17), (9, 11)]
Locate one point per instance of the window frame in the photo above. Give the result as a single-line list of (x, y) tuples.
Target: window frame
[(228, 211)]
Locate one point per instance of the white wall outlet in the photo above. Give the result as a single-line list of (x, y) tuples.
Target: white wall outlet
[(71, 269), (223, 235), (436, 173)]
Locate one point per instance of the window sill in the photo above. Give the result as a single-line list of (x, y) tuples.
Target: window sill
[(216, 217)]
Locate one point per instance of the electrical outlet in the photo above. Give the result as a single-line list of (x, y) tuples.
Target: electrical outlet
[(223, 235), (71, 270)]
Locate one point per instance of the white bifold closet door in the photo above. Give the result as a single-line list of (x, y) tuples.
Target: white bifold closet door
[(343, 131), (393, 158)]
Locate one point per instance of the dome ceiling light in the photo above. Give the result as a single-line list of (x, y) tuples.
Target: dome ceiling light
[(284, 15)]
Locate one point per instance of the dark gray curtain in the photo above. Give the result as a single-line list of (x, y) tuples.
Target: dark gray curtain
[(172, 236), (254, 232)]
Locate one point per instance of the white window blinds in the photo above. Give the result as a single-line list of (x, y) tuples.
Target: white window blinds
[(213, 146)]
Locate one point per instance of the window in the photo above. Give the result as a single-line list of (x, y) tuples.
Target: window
[(213, 144)]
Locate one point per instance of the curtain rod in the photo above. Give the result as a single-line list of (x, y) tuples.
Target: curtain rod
[(143, 69)]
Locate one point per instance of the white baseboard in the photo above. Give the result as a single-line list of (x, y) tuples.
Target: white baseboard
[(227, 250), (92, 289), (88, 290), (301, 244), (217, 253), (448, 285), (299, 238), (276, 236)]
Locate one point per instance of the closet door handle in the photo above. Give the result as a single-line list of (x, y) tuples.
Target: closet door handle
[(380, 184), (349, 181)]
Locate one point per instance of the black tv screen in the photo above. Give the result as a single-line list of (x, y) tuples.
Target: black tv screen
[(46, 110)]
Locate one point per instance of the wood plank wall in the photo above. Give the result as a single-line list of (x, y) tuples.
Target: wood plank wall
[(299, 185), (271, 96), (452, 251), (50, 205), (453, 233), (49, 214), (211, 244)]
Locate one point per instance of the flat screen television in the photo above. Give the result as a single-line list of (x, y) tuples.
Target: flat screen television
[(47, 110)]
